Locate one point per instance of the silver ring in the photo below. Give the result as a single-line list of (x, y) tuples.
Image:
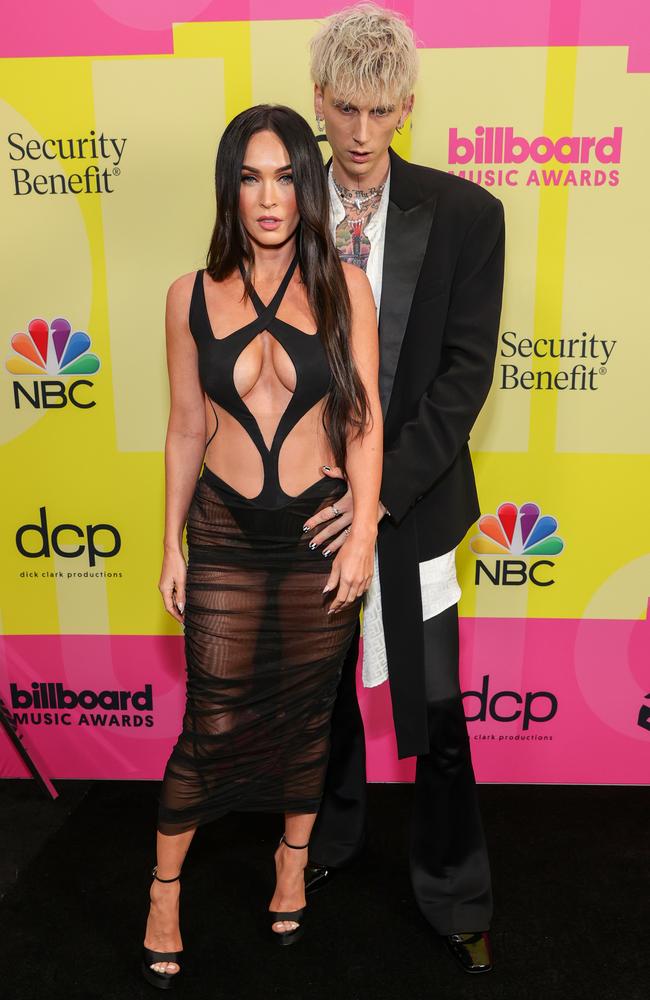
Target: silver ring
[(337, 512)]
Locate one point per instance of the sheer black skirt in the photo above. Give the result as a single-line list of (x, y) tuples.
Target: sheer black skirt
[(263, 659)]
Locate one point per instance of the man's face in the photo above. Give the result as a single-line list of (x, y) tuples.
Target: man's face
[(360, 132)]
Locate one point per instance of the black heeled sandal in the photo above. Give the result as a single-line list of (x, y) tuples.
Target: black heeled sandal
[(296, 916), (161, 980)]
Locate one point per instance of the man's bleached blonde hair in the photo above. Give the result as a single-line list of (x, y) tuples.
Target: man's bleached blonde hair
[(365, 52)]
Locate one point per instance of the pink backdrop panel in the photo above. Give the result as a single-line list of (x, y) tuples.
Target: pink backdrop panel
[(555, 701), (94, 742), (133, 27), (593, 671)]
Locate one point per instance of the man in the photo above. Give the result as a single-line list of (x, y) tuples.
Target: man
[(432, 245)]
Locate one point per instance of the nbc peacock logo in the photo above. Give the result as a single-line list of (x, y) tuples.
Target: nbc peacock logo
[(524, 538), (47, 354)]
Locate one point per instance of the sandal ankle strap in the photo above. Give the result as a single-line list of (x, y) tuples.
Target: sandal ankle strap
[(158, 879), (294, 847)]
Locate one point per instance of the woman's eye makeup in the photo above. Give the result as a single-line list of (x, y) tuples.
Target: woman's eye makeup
[(283, 179)]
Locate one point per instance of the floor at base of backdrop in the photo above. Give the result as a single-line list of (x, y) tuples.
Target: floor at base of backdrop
[(571, 874)]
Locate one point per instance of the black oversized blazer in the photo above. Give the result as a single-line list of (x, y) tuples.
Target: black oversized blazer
[(438, 328)]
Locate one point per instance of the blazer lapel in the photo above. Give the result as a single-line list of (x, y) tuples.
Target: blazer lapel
[(408, 224)]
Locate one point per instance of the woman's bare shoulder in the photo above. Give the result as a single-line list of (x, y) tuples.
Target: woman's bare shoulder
[(359, 288), (179, 295), (181, 287)]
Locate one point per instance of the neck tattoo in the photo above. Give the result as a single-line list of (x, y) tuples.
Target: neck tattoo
[(359, 199), (352, 242)]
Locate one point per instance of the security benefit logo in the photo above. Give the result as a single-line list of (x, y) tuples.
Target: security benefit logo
[(522, 539), (50, 703), (92, 163), (566, 364), (52, 365)]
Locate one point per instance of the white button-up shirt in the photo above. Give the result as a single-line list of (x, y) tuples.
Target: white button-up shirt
[(438, 581)]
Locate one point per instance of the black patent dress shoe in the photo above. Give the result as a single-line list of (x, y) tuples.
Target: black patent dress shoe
[(316, 876), (473, 950)]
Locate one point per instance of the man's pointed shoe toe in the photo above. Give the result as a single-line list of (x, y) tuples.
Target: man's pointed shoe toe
[(316, 876), (472, 950)]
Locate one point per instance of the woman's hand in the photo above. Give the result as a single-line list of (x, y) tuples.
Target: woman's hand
[(335, 524), (172, 583), (352, 568)]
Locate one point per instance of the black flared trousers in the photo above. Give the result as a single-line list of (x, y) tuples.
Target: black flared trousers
[(449, 865)]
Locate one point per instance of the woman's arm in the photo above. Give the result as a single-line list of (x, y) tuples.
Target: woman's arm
[(353, 566), (185, 441)]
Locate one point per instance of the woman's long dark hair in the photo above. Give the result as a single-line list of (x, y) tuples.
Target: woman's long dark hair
[(320, 268)]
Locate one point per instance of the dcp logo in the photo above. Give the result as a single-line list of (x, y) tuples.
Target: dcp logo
[(87, 538)]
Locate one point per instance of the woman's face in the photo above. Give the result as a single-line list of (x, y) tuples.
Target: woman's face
[(267, 197)]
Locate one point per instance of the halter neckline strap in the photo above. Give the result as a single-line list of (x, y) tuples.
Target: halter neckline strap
[(272, 306)]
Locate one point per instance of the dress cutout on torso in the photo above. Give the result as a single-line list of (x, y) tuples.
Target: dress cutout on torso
[(217, 360)]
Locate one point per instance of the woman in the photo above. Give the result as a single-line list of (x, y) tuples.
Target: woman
[(273, 355)]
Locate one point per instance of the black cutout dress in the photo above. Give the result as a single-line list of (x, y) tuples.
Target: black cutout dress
[(263, 656)]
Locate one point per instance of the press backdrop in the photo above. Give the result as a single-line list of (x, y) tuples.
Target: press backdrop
[(111, 112)]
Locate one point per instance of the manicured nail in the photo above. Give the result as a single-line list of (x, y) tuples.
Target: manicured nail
[(326, 467), (326, 552), (180, 608), (325, 589), (313, 545), (305, 527)]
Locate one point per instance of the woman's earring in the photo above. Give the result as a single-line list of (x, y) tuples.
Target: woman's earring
[(320, 124)]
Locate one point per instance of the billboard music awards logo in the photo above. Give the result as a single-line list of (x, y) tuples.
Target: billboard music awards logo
[(495, 156), (516, 531), (47, 703), (32, 177), (47, 351)]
